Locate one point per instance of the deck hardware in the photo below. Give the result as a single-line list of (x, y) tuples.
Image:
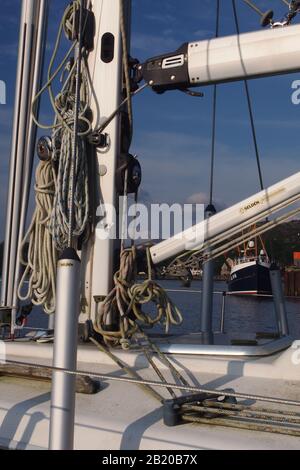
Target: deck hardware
[(45, 148), (99, 140), (172, 409), (128, 162)]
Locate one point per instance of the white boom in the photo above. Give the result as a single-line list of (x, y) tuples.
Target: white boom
[(261, 204), (225, 59), (250, 55)]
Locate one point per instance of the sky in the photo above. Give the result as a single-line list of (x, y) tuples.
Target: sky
[(172, 132)]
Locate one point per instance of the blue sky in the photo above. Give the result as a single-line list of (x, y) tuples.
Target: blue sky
[(173, 132)]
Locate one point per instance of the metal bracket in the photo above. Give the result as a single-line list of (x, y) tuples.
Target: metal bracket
[(173, 409)]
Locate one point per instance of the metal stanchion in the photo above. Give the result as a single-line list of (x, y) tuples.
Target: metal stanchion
[(279, 301), (207, 292), (222, 322), (67, 303), (65, 352)]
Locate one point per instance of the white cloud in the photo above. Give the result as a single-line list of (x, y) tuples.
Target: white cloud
[(176, 169), (203, 198), (153, 44)]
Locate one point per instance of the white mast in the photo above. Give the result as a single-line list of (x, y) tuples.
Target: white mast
[(101, 254)]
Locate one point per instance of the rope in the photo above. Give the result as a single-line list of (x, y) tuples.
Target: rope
[(128, 370), (125, 302), (253, 6), (49, 229), (71, 106), (40, 265), (74, 184)]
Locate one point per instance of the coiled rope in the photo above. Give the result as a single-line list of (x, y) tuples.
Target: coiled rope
[(40, 265), (49, 229), (127, 299)]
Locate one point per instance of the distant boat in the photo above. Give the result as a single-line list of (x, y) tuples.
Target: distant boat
[(250, 272)]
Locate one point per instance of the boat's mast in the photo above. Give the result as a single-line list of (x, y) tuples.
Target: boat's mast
[(29, 74), (105, 64)]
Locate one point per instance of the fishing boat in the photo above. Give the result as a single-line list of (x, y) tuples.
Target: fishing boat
[(250, 272), (97, 377)]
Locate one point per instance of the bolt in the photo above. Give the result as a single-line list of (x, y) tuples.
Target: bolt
[(102, 170)]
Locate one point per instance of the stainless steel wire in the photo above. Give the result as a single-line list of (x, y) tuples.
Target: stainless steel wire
[(111, 378)]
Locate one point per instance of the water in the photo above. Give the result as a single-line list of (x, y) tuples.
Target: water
[(243, 314)]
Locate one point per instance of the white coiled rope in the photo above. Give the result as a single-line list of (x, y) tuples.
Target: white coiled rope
[(48, 231), (40, 265), (62, 142)]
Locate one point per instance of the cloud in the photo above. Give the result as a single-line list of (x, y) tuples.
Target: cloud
[(157, 18), (144, 197), (176, 168), (153, 44), (203, 33), (203, 198)]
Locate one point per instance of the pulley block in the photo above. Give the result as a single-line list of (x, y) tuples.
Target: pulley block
[(129, 165)]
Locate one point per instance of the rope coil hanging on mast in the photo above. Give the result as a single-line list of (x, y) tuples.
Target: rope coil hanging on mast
[(48, 233), (56, 214)]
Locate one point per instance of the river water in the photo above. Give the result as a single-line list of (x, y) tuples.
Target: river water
[(243, 314)]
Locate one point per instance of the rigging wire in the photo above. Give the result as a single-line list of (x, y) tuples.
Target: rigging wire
[(213, 142), (254, 7), (126, 67), (189, 388), (254, 136), (266, 18)]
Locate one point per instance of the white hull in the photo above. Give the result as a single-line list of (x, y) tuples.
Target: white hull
[(121, 416)]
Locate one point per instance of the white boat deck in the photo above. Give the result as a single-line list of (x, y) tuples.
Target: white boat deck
[(122, 416)]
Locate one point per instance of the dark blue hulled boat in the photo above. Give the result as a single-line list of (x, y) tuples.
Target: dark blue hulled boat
[(250, 273)]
